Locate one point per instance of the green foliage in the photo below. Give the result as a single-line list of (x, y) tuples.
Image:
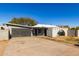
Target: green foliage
[(77, 28), (61, 33), (73, 28), (2, 28), (23, 21)]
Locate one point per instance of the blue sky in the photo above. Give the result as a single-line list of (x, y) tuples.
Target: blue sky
[(56, 14)]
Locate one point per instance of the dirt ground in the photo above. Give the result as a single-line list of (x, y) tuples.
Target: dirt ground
[(3, 45), (37, 46)]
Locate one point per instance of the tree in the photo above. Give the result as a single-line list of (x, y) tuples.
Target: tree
[(23, 21), (73, 28), (77, 28)]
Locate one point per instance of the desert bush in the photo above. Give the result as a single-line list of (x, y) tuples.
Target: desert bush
[(69, 38), (72, 40), (77, 39)]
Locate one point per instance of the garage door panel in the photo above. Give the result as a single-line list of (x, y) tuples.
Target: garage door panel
[(19, 32)]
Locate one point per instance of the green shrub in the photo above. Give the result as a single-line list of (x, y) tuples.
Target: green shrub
[(61, 33), (2, 28)]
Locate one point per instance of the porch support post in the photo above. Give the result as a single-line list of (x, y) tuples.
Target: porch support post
[(37, 31), (32, 32)]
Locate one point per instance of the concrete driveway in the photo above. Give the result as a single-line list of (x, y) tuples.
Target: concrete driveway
[(34, 46)]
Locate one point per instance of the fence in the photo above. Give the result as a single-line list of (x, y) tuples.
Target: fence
[(71, 33)]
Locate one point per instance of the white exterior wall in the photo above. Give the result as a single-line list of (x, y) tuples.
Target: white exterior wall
[(65, 30), (77, 33), (49, 32), (53, 32), (4, 35)]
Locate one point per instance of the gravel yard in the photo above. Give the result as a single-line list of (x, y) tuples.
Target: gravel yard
[(36, 46), (3, 45)]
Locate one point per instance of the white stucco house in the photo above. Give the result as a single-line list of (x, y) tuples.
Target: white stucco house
[(52, 30), (39, 29), (16, 30)]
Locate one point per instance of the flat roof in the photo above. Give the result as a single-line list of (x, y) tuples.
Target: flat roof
[(36, 26), (18, 25), (45, 25)]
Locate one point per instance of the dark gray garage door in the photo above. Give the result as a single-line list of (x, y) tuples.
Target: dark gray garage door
[(20, 32)]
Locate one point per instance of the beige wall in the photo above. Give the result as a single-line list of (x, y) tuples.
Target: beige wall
[(65, 30), (55, 31), (49, 32), (52, 32), (4, 35), (77, 33)]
